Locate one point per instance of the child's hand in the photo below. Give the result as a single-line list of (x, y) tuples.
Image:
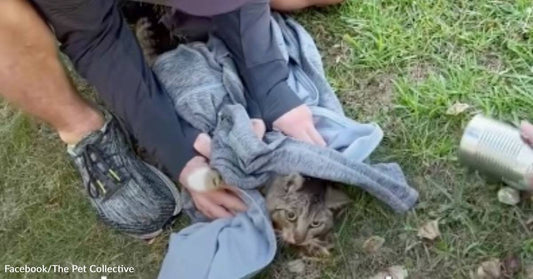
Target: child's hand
[(298, 123)]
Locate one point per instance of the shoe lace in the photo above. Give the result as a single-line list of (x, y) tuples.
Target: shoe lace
[(104, 173)]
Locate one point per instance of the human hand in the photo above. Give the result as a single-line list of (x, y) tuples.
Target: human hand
[(219, 202), (298, 123), (527, 134)]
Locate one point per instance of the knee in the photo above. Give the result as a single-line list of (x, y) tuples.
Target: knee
[(20, 22), (292, 5), (14, 12), (321, 3)]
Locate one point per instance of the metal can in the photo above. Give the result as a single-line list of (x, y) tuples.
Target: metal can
[(497, 149)]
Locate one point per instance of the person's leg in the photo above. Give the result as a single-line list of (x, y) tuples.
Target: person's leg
[(128, 194), (104, 50), (295, 5), (32, 77)]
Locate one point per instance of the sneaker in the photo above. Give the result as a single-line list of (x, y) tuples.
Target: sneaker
[(128, 194)]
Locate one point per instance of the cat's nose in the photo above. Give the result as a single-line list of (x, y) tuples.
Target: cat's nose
[(288, 237), (299, 238)]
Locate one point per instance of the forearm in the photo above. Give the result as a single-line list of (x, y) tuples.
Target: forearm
[(247, 33)]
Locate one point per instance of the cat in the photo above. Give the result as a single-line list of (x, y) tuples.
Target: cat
[(302, 210), (145, 37), (153, 36), (160, 28)]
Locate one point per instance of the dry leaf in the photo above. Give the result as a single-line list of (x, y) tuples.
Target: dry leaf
[(373, 244), (457, 109), (296, 266), (430, 230), (508, 195), (489, 270), (393, 272), (511, 265)]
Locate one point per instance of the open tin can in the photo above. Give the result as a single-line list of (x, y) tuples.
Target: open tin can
[(497, 149)]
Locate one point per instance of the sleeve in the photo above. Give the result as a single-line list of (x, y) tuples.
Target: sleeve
[(248, 34)]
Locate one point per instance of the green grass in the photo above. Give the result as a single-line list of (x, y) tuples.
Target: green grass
[(399, 63)]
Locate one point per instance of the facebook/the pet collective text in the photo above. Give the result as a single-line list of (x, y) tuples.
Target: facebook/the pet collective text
[(56, 268)]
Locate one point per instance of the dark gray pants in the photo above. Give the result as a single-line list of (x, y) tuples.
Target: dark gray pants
[(104, 51), (96, 38)]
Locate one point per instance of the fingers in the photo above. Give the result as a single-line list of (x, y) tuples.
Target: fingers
[(305, 138), (202, 145), (298, 123), (230, 200), (220, 203), (316, 137), (216, 211), (310, 135), (527, 131), (209, 208)]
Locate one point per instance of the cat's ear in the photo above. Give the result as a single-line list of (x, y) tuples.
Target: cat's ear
[(336, 199), (293, 182)]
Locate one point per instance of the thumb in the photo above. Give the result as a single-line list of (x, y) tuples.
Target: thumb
[(202, 145), (527, 131), (316, 137)]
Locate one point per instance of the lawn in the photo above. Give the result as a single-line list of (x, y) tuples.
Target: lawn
[(399, 63)]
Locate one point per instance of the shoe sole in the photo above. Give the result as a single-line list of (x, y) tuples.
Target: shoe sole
[(175, 193)]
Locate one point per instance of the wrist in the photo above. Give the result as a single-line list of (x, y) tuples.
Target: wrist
[(280, 100)]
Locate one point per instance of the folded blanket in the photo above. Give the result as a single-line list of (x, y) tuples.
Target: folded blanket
[(206, 90)]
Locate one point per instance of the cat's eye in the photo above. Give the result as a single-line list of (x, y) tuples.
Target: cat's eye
[(315, 224), (291, 216)]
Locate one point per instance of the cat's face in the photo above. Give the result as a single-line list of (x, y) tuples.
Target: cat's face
[(302, 210)]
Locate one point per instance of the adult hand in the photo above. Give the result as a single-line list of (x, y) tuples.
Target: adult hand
[(527, 135), (217, 203), (224, 201), (298, 123)]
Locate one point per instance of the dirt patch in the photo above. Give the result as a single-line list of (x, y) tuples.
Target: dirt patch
[(438, 169), (418, 73), (324, 39), (332, 47), (339, 53), (373, 95), (363, 265), (312, 269), (492, 63)]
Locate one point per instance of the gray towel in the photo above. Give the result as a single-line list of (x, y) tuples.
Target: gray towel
[(207, 91)]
